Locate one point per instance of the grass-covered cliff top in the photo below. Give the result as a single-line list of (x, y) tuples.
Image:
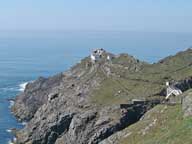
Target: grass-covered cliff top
[(164, 124), (85, 103), (161, 125), (130, 78)]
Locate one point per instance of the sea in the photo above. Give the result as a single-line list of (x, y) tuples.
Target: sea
[(27, 55)]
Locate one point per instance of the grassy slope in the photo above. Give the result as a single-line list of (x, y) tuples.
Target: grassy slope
[(170, 127), (164, 124), (144, 83), (120, 81)]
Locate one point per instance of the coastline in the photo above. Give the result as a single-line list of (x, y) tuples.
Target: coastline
[(12, 131), (75, 97)]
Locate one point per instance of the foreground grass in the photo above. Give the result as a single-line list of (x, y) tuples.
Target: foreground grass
[(161, 125)]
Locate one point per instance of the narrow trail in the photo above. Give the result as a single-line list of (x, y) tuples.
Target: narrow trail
[(118, 83)]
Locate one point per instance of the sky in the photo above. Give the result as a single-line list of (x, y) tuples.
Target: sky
[(97, 15)]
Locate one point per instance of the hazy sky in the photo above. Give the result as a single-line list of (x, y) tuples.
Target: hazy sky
[(99, 15)]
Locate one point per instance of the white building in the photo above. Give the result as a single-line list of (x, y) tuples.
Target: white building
[(93, 57), (172, 90), (96, 55), (109, 58)]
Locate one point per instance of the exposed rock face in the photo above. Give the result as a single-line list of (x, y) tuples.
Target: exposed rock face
[(183, 85), (62, 109), (58, 109), (187, 104), (34, 96)]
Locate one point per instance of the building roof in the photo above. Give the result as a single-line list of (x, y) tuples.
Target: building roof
[(172, 90)]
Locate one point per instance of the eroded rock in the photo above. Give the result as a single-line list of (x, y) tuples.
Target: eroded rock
[(187, 104)]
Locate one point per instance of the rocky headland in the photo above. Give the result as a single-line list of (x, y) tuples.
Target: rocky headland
[(99, 98)]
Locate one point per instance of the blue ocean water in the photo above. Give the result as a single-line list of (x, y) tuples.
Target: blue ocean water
[(24, 56)]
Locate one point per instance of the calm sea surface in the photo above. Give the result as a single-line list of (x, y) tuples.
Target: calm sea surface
[(24, 56)]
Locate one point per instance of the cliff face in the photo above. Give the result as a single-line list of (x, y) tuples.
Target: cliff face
[(163, 124), (83, 105), (34, 96)]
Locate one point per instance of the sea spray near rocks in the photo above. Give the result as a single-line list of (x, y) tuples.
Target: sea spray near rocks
[(11, 103), (13, 141), (9, 130), (22, 86)]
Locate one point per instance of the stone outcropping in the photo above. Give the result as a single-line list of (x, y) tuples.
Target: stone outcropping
[(63, 109), (187, 104), (59, 110), (34, 96)]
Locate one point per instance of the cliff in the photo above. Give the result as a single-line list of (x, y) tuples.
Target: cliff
[(163, 124), (84, 105)]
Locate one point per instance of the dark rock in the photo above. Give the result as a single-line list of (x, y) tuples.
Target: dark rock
[(61, 109), (34, 96), (183, 85)]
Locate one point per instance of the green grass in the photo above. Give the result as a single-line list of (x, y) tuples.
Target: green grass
[(170, 128), (147, 82)]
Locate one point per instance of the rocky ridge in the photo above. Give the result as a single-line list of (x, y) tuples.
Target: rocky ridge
[(157, 125), (83, 105)]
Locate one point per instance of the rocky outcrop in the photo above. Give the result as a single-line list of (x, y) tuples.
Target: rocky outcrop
[(34, 96), (187, 104), (58, 109), (63, 109), (183, 85)]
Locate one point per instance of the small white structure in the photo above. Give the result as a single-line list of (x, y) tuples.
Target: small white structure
[(108, 57), (167, 84), (93, 57), (172, 90), (97, 54)]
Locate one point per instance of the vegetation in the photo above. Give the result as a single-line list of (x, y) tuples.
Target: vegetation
[(131, 78), (162, 125)]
